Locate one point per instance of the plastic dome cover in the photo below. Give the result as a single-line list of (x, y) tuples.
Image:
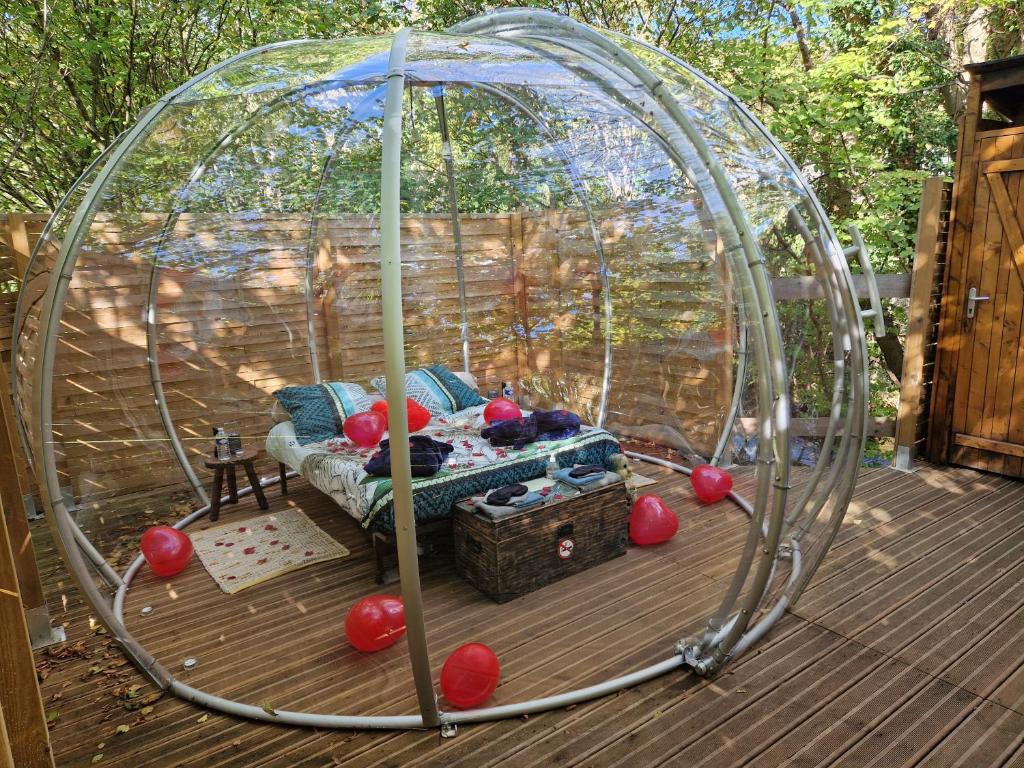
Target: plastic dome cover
[(525, 198)]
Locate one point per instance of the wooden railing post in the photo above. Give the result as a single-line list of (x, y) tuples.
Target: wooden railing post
[(24, 719), (922, 281), (6, 758), (515, 222), (17, 236)]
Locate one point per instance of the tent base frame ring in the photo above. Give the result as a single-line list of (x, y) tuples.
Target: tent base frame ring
[(684, 657)]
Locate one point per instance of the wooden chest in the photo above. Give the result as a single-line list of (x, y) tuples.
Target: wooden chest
[(510, 556)]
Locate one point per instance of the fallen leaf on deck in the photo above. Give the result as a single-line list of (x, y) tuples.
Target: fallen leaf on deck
[(266, 707), (123, 728), (203, 718)]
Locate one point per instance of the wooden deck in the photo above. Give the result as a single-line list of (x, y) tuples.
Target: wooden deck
[(905, 650)]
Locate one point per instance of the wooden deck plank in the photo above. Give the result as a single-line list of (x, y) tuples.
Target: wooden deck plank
[(905, 650)]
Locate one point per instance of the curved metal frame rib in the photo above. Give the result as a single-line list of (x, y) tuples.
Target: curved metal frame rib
[(453, 204)]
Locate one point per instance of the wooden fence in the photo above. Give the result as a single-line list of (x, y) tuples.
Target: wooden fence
[(231, 327)]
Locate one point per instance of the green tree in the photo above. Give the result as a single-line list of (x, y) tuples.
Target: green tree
[(76, 73)]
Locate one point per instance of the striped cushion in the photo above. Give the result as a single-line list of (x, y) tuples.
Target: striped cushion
[(318, 411), (435, 388)]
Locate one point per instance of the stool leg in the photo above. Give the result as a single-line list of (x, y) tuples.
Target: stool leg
[(232, 484), (218, 486), (254, 481), (282, 469)]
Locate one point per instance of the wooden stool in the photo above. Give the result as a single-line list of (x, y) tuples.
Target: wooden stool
[(220, 468)]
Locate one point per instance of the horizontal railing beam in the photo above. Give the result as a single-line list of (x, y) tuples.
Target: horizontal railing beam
[(892, 286), (876, 426)]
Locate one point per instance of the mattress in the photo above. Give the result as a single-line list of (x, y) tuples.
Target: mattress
[(475, 466)]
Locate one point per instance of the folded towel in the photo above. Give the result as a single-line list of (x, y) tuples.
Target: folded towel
[(502, 496), (526, 501), (565, 476), (598, 478), (586, 470)]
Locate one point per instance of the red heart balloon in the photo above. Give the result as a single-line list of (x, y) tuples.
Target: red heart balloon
[(418, 416), (710, 484), (167, 550), (365, 429), (375, 622), (500, 409), (651, 521)]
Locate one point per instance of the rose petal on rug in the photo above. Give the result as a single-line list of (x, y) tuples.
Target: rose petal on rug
[(244, 553)]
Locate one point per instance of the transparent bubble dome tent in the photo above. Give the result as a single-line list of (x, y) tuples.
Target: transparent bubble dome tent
[(523, 198)]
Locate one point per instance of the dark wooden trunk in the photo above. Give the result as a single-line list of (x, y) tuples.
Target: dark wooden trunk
[(514, 555)]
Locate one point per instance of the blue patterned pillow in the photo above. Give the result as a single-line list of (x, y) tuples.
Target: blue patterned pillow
[(435, 388), (318, 411)]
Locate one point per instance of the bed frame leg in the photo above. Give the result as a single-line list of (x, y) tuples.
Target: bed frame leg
[(283, 471)]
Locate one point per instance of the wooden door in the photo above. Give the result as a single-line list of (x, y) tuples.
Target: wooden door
[(983, 307)]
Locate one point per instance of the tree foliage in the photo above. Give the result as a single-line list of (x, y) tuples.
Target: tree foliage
[(864, 94)]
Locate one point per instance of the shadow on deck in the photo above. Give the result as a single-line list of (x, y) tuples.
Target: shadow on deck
[(905, 650)]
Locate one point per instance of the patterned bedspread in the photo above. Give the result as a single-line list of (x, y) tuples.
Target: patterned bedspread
[(473, 467)]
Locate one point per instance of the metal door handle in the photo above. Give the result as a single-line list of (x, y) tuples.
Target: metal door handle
[(972, 299)]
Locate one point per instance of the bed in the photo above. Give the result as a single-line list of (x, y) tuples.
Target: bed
[(336, 467)]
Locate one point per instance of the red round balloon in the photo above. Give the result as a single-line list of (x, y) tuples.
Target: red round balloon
[(418, 416), (470, 675), (365, 429), (501, 408), (375, 622), (167, 550), (651, 521), (710, 484)]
